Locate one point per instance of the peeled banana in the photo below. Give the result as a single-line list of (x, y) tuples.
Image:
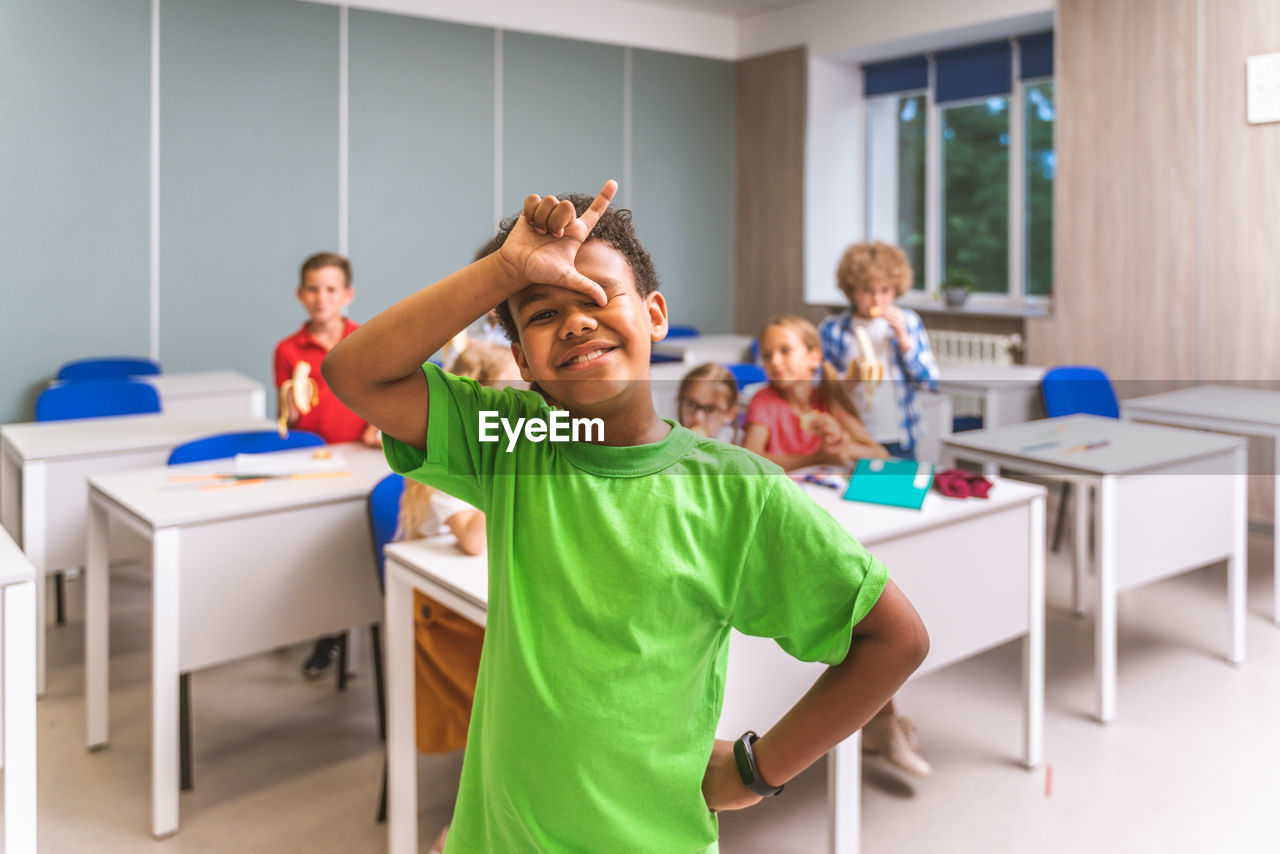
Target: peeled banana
[(866, 368), (303, 390)]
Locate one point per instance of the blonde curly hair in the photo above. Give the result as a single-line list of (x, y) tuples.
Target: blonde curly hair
[(864, 264)]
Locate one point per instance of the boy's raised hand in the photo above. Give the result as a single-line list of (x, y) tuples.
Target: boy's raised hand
[(545, 240)]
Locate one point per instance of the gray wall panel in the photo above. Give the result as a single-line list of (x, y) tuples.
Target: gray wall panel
[(249, 174), (421, 136), (682, 163), (74, 178), (562, 117)]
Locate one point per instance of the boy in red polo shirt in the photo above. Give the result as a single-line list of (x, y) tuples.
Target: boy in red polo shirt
[(325, 291)]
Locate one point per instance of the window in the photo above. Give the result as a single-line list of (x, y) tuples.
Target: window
[(960, 165)]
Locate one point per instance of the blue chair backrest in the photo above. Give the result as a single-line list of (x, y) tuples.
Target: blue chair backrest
[(96, 398), (105, 369), (675, 330), (1075, 389), (225, 445), (747, 374), (384, 512)]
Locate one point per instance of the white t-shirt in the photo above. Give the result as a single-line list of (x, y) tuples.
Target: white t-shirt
[(441, 507), (877, 404)]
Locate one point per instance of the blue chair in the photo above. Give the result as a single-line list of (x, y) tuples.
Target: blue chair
[(109, 368), (746, 373), (95, 399), (217, 447), (91, 399), (384, 512), (675, 330), (1074, 390)]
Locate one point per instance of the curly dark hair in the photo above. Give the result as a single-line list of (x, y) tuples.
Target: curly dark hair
[(614, 228)]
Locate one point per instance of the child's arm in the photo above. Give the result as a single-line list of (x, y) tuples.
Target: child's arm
[(377, 370), (888, 644), (468, 527), (757, 439)]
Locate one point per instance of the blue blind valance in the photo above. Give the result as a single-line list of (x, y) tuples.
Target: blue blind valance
[(898, 75), (1036, 52), (978, 71)]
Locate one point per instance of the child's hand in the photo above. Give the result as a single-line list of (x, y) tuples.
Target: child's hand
[(372, 436), (545, 240), (722, 786), (898, 323)]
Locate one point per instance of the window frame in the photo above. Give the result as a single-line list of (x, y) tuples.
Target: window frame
[(1015, 295)]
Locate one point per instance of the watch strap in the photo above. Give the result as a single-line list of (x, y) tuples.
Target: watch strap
[(747, 768)]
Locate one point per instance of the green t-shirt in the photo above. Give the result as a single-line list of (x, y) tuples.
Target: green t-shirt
[(615, 574)]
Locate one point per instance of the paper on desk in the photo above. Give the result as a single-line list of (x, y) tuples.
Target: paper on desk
[(302, 461)]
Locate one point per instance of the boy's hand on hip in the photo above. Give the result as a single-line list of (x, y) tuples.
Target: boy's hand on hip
[(545, 240), (722, 785)]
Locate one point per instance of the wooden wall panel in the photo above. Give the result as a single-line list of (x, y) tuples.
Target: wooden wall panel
[(1241, 199), (1125, 204), (769, 223)]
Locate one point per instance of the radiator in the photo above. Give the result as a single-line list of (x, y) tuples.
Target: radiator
[(968, 348)]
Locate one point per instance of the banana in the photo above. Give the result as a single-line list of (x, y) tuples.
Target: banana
[(866, 368), (302, 390)]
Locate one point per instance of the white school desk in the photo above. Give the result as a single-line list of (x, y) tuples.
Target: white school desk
[(696, 349), (1010, 394), (198, 392), (44, 469), (1168, 501), (1248, 412), (18, 697), (235, 571), (974, 570)]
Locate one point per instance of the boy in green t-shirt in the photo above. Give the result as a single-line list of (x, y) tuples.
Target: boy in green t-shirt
[(618, 562)]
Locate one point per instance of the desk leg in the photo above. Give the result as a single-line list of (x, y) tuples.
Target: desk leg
[(844, 794), (1080, 493), (1105, 609), (990, 409), (402, 767), (1275, 536), (10, 475), (96, 634), (1033, 643), (19, 719), (165, 602), (1238, 563), (34, 501)]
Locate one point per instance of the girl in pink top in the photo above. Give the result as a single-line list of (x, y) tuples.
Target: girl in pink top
[(796, 422)]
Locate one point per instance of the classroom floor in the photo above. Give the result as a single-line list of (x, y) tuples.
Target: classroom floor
[(282, 764)]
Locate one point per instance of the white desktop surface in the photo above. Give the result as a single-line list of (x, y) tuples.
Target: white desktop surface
[(18, 697), (209, 391), (44, 472), (696, 349), (1010, 393), (1247, 412), (1169, 501), (236, 570), (988, 554)]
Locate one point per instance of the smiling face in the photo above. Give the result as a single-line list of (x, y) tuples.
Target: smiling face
[(705, 406), (584, 355), (324, 294), (786, 359)]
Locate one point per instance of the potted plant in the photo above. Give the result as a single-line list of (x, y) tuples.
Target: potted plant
[(957, 287)]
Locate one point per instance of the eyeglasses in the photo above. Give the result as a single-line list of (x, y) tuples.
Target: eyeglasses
[(692, 407)]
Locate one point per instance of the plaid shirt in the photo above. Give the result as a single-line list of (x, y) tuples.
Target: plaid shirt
[(916, 368)]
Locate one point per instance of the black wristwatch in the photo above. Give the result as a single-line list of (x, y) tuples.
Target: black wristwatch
[(746, 758)]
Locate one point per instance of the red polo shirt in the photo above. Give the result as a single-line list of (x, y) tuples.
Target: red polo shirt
[(329, 417)]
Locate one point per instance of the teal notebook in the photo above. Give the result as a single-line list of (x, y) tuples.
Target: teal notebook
[(898, 483)]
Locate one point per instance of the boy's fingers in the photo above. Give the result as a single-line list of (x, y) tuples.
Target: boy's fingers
[(543, 211), (578, 282), (592, 214), (530, 205), (561, 216)]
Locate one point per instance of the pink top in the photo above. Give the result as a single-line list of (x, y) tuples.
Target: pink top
[(786, 436)]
